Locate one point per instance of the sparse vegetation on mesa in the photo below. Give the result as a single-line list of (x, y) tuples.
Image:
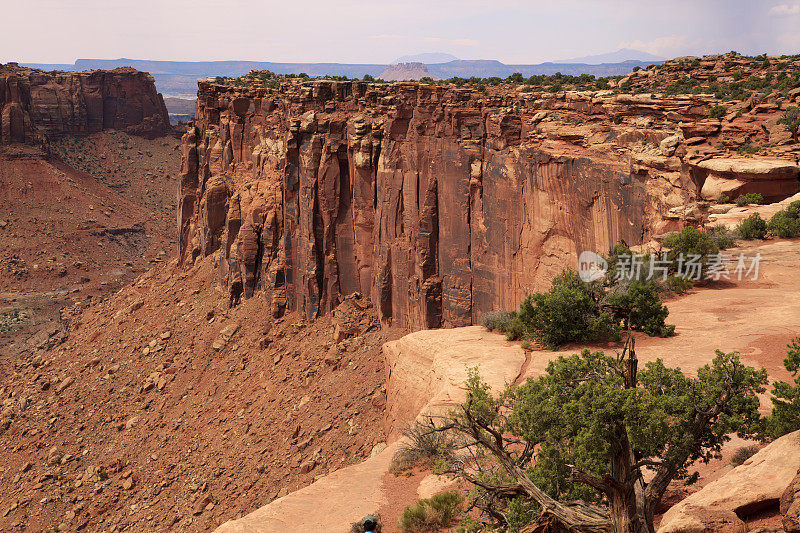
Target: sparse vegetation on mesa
[(741, 76)]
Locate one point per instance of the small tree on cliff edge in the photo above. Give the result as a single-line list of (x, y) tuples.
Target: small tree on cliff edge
[(578, 438), (791, 119)]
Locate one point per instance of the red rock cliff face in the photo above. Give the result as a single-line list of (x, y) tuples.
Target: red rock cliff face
[(437, 203), (35, 104)]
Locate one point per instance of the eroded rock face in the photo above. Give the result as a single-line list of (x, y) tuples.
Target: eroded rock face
[(438, 203), (790, 506), (35, 104)]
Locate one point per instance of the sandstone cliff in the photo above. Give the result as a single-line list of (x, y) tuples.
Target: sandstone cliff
[(35, 104), (437, 202)]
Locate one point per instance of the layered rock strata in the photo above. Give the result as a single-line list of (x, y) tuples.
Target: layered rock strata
[(36, 105), (436, 202)]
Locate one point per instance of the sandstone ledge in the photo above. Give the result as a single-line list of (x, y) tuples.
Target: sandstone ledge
[(760, 481)]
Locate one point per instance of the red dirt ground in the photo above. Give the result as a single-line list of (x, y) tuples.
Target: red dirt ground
[(138, 423)]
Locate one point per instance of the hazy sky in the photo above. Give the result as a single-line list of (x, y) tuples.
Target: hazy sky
[(356, 31)]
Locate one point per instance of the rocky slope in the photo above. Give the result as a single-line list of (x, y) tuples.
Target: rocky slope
[(84, 205), (441, 202), (36, 105), (166, 410)]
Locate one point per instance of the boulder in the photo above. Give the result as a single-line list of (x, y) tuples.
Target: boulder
[(790, 506), (704, 128), (669, 144), (757, 484)]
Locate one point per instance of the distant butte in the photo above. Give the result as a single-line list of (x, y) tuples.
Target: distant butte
[(407, 72), (35, 104)]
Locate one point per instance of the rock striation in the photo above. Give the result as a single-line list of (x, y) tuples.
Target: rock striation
[(36, 105), (437, 202)]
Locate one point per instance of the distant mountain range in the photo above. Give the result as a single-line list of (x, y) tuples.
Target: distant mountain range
[(621, 55), (179, 78)]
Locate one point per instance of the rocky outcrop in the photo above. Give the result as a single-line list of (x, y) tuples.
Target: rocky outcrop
[(790, 506), (436, 202), (35, 104), (754, 486), (774, 179)]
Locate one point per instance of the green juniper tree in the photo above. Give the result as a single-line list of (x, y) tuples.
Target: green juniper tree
[(785, 416), (573, 444)]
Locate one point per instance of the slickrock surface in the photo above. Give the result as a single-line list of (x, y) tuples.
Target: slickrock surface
[(440, 202), (760, 481), (36, 105)]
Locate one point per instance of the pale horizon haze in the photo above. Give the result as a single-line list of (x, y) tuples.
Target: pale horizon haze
[(354, 31)]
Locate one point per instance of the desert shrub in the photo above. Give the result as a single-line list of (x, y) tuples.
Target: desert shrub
[(619, 264), (722, 236), (718, 111), (750, 198), (678, 284), (639, 307), (784, 224), (688, 242), (568, 312), (432, 514), (743, 454), (753, 227), (497, 320), (516, 330), (360, 526), (791, 120), (574, 311), (723, 199), (424, 445), (794, 209)]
